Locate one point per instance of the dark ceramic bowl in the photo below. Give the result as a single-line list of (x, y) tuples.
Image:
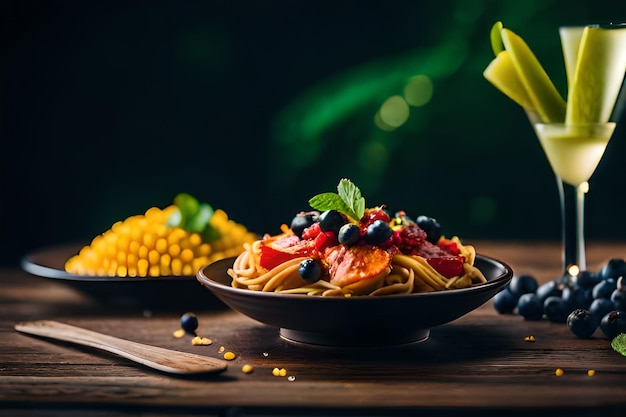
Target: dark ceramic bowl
[(171, 292), (356, 321)]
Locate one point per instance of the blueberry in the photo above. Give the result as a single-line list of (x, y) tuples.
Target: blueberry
[(613, 323), (331, 221), (575, 297), (189, 323), (587, 279), (349, 234), (618, 297), (604, 288), (556, 310), (523, 284), (378, 232), (614, 268), (548, 289), (600, 307), (505, 301), (302, 221), (582, 323), (530, 307), (431, 227), (310, 270)]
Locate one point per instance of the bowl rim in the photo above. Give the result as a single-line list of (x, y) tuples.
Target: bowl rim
[(217, 286), (45, 262)]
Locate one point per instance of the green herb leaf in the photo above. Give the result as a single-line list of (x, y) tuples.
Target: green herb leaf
[(198, 222), (188, 206), (619, 343), (348, 200), (328, 201), (351, 195), (193, 217)]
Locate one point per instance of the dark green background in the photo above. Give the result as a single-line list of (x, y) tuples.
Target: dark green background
[(109, 108)]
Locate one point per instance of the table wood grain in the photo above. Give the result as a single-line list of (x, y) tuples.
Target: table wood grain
[(479, 363)]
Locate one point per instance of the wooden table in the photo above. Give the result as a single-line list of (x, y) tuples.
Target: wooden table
[(480, 362)]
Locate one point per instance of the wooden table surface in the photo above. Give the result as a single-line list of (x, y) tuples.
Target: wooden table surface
[(479, 363)]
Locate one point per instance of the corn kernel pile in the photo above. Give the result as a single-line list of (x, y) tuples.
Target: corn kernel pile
[(145, 246)]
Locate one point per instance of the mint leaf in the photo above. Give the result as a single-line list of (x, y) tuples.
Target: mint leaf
[(327, 201), (351, 195), (348, 200), (187, 206), (198, 222), (619, 343), (193, 217)]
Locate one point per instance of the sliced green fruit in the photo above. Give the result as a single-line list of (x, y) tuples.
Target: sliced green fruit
[(598, 76), (496, 38), (502, 74), (542, 93), (570, 41)]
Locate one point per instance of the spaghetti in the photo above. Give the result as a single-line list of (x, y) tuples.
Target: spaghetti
[(405, 274)]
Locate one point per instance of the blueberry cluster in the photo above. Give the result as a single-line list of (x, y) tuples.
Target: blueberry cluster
[(373, 229), (584, 301)]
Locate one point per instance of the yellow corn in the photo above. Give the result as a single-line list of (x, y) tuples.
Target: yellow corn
[(144, 246)]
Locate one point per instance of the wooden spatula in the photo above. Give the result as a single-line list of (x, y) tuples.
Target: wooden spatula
[(165, 360)]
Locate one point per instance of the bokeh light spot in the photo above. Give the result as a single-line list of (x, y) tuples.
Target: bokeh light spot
[(394, 111), (381, 123), (418, 91)]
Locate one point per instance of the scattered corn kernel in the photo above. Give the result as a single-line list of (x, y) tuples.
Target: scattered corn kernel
[(559, 372), (179, 333), (591, 372), (279, 372), (201, 341), (221, 349), (229, 356), (530, 338), (247, 369)]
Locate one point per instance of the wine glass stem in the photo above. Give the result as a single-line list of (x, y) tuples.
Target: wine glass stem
[(580, 226), (573, 222)]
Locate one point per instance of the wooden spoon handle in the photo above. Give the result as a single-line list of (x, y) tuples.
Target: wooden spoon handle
[(165, 360)]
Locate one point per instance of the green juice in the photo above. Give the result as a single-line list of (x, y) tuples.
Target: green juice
[(574, 151)]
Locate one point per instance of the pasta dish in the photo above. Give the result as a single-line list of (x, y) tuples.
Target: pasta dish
[(342, 249)]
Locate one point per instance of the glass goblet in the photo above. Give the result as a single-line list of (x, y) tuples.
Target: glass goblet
[(574, 152)]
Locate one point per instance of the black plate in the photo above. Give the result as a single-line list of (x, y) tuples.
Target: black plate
[(180, 292), (356, 321)]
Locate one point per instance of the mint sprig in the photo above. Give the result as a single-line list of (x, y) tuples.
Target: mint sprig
[(619, 343), (348, 200), (193, 217)]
